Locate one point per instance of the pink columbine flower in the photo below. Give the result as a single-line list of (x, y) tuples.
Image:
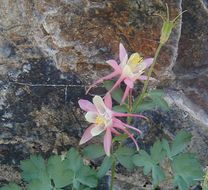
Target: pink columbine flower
[(129, 70), (104, 119)]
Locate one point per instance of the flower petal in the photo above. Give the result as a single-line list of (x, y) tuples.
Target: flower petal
[(118, 124), (127, 71), (148, 62), (99, 104), (131, 127), (87, 135), (122, 52), (143, 77), (117, 83), (114, 64), (86, 105), (126, 93), (108, 100), (91, 116), (115, 131), (129, 82), (118, 114), (97, 130), (107, 141), (110, 76)]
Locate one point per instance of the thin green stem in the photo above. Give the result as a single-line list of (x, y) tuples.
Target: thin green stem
[(113, 168), (139, 99)]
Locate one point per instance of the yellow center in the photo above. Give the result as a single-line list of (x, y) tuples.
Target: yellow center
[(100, 120), (134, 60)]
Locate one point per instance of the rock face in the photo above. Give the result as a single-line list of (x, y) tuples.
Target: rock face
[(51, 50), (191, 67)]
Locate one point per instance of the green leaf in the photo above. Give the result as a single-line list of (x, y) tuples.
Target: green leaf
[(166, 147), (73, 160), (153, 99), (120, 108), (120, 138), (81, 173), (35, 173), (11, 186), (143, 159), (158, 175), (151, 161), (39, 184), (187, 170), (105, 166), (59, 172), (124, 156), (76, 184), (117, 94), (157, 153), (93, 151), (87, 176), (180, 142)]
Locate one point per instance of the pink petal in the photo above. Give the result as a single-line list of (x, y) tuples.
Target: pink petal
[(148, 62), (143, 77), (115, 131), (86, 105), (118, 124), (118, 114), (131, 127), (87, 135), (110, 76), (122, 52), (114, 64), (107, 141), (117, 83), (126, 93), (129, 83), (108, 100)]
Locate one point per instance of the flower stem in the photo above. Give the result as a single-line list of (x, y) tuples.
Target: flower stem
[(139, 99), (113, 168)]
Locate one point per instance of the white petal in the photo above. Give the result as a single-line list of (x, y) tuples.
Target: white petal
[(140, 67), (97, 130), (91, 116), (124, 61), (99, 104), (127, 71)]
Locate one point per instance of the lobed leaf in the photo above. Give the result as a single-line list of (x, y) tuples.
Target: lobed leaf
[(11, 186), (87, 176), (124, 156), (180, 142), (105, 166), (93, 151), (73, 160), (187, 170), (58, 172), (153, 99), (35, 173), (157, 153)]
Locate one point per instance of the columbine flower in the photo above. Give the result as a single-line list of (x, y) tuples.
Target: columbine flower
[(103, 118), (129, 70)]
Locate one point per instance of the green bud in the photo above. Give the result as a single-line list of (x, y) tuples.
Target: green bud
[(168, 26)]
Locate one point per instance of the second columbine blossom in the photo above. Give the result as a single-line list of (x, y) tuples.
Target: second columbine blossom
[(128, 71), (104, 119)]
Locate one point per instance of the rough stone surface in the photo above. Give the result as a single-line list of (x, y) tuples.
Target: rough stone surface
[(51, 50), (191, 68)]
